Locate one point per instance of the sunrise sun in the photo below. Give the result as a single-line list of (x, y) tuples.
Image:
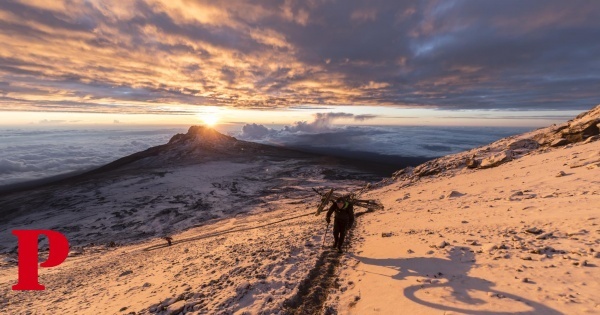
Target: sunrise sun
[(209, 119)]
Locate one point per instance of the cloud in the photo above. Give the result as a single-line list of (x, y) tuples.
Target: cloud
[(322, 122), (52, 121), (254, 131), (380, 144), (8, 166), (28, 155), (364, 117), (154, 56)]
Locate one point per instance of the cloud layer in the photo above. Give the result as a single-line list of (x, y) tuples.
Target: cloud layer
[(32, 154), (370, 142), (154, 56)]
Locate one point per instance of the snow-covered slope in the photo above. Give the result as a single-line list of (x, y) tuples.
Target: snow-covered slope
[(240, 213), (521, 237), (197, 177), (518, 236)]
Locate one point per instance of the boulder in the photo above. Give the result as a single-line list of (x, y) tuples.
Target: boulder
[(443, 244), (175, 308), (454, 194), (583, 127), (559, 142), (472, 163), (496, 159), (489, 247), (582, 130), (592, 139), (529, 144), (426, 169), (534, 230)]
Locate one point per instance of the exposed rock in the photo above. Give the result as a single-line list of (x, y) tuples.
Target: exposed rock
[(426, 169), (534, 230), (386, 234), (592, 164), (472, 163), (443, 244), (529, 144), (581, 131), (489, 247), (560, 174), (519, 195), (576, 232), (405, 172), (592, 139), (559, 142), (126, 272), (75, 252), (175, 308), (496, 159), (454, 194), (544, 236), (526, 258), (543, 250)]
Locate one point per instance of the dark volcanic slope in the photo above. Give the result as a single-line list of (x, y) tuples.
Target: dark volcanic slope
[(197, 176)]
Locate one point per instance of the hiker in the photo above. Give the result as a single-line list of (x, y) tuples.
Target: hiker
[(344, 218), (169, 240)]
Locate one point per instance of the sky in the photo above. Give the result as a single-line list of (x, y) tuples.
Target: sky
[(383, 62), (84, 82)]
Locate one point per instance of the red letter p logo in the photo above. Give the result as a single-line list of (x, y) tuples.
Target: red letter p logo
[(58, 249)]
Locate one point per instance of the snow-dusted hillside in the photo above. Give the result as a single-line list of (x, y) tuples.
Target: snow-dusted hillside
[(466, 233), (197, 177), (521, 236), (240, 213)]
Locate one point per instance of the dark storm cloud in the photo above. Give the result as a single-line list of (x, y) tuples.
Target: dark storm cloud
[(263, 54)]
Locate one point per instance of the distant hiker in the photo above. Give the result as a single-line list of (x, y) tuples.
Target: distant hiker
[(344, 218), (169, 240)]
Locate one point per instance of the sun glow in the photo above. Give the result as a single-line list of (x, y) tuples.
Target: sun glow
[(209, 119)]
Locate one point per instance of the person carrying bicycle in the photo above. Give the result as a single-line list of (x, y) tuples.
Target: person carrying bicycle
[(344, 219)]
